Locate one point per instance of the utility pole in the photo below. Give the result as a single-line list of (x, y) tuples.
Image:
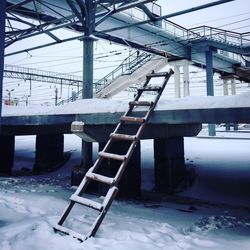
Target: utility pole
[(9, 94), (56, 96)]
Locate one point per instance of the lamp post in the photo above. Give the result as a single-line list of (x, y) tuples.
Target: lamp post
[(9, 93)]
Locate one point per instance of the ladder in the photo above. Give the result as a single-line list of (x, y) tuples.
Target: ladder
[(105, 154)]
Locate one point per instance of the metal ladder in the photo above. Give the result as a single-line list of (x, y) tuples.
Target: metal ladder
[(92, 174)]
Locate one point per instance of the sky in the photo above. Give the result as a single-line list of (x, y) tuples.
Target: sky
[(67, 57)]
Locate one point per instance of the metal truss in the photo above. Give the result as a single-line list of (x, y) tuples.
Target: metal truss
[(25, 18), (17, 72)]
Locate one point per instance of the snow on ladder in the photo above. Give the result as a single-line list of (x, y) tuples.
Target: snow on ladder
[(117, 135)]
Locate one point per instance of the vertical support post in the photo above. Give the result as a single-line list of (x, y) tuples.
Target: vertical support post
[(225, 87), (87, 88), (56, 96), (225, 93), (130, 183), (49, 152), (87, 92), (61, 89), (177, 81), (210, 84), (30, 87), (233, 86), (88, 54), (233, 92), (7, 151), (169, 163), (186, 79), (2, 36)]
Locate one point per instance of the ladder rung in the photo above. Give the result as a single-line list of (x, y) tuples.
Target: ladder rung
[(142, 103), (70, 232), (100, 178), (86, 202), (132, 119), (112, 156), (150, 88), (117, 136), (160, 74)]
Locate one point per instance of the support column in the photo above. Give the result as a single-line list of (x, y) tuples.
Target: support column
[(225, 87), (2, 37), (177, 81), (87, 92), (130, 183), (169, 163), (233, 92), (210, 84), (49, 152), (88, 55), (233, 86), (186, 79), (7, 149)]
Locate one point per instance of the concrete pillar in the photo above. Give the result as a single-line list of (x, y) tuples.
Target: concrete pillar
[(169, 163), (2, 37), (233, 92), (210, 84), (233, 86), (225, 87), (87, 92), (49, 152), (7, 149), (88, 58), (186, 79), (177, 81), (130, 183)]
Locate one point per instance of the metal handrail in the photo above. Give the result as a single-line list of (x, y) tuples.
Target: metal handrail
[(225, 36), (128, 66)]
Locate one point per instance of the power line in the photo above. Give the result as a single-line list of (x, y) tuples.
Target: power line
[(234, 22), (218, 19)]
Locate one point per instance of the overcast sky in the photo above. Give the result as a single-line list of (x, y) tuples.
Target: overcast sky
[(67, 57)]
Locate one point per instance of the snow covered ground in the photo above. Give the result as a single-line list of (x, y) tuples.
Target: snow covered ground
[(217, 218)]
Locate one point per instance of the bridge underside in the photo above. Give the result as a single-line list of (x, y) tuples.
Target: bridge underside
[(98, 126)]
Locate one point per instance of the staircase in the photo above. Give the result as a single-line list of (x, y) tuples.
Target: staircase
[(118, 135), (137, 65)]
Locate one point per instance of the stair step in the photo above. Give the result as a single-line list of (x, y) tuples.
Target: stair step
[(100, 178), (86, 202), (70, 232), (112, 156), (141, 103), (132, 119), (117, 136), (161, 74), (150, 88)]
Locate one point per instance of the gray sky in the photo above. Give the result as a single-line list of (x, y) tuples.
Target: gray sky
[(67, 57)]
